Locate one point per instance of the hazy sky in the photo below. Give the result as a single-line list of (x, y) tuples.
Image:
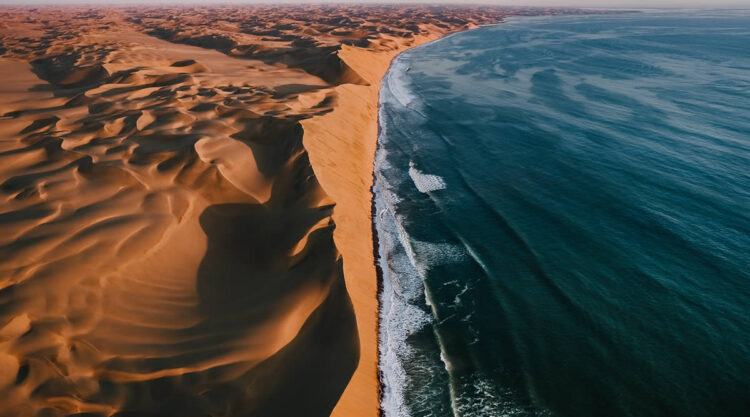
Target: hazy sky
[(581, 3)]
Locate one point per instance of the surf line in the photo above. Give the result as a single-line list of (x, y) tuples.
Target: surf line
[(374, 215)]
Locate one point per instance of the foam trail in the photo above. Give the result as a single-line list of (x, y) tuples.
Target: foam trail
[(406, 308), (402, 314), (425, 183), (398, 84)]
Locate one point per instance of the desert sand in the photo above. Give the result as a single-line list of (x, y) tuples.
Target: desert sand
[(185, 206)]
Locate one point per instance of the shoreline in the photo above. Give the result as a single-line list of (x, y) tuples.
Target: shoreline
[(343, 407), (361, 272), (376, 242), (375, 237)]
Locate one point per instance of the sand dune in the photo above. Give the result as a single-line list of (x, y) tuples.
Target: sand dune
[(184, 207)]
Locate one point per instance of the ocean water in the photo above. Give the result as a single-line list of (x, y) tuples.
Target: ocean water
[(563, 218)]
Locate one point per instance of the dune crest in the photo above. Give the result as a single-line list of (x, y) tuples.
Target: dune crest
[(169, 243)]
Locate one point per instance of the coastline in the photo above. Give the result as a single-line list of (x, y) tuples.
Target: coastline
[(192, 170), (346, 173)]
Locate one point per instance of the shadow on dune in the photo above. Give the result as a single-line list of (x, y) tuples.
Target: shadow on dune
[(302, 52), (254, 270), (245, 275), (277, 335)]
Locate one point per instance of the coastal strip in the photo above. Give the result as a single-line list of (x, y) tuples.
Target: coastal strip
[(341, 145)]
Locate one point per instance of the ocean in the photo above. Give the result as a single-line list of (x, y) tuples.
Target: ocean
[(562, 207)]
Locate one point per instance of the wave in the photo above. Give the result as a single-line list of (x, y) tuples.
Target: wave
[(404, 303), (425, 183), (406, 309), (416, 370), (399, 316), (398, 84)]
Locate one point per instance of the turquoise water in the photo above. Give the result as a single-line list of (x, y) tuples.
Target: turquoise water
[(563, 218)]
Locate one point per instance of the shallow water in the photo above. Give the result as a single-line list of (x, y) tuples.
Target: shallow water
[(563, 215)]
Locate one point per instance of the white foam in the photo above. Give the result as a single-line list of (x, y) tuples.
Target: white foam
[(477, 395), (457, 299), (425, 183), (400, 317), (405, 262), (397, 80)]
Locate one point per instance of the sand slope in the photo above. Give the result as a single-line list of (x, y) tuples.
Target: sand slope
[(185, 208)]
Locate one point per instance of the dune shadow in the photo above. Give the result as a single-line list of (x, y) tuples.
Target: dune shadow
[(247, 276), (271, 260), (277, 335)]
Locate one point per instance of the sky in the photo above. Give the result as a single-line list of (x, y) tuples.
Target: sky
[(572, 3)]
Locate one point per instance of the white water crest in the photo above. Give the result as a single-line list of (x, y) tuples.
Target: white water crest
[(425, 183), (397, 81)]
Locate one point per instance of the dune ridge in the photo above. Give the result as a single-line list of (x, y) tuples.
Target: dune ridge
[(185, 206)]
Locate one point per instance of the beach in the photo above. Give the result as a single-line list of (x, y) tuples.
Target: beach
[(342, 151)]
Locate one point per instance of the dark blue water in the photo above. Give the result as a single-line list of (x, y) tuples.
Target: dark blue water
[(563, 211)]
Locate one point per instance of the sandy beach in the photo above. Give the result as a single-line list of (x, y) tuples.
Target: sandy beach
[(185, 206)]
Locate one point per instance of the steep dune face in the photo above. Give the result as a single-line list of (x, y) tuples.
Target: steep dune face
[(167, 247)]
